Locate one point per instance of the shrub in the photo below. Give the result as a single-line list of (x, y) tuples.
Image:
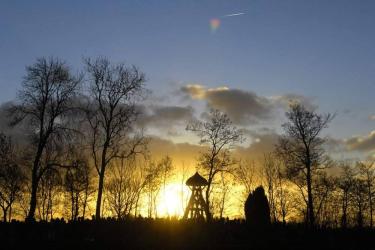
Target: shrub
[(257, 210)]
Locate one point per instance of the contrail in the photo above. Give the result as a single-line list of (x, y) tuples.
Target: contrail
[(234, 14)]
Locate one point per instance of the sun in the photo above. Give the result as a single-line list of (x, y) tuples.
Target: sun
[(172, 200)]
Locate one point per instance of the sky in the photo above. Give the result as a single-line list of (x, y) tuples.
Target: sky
[(319, 52)]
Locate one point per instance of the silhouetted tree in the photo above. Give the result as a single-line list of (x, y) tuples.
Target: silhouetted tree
[(301, 147), (257, 210), (360, 201), (45, 99), (283, 193), (49, 193), (245, 173), (111, 112), (323, 187), (123, 188), (183, 195), (367, 172), (166, 166), (220, 136), (77, 187), (345, 185), (271, 170), (11, 177), (153, 182), (223, 193)]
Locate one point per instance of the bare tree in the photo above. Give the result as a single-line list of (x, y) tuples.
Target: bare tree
[(360, 201), (245, 173), (49, 192), (11, 177), (153, 182), (301, 147), (345, 185), (166, 166), (283, 194), (223, 191), (220, 136), (184, 174), (367, 172), (45, 99), (271, 170), (77, 187), (323, 187), (123, 188), (111, 112)]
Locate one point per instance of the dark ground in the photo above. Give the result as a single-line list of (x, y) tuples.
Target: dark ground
[(172, 234)]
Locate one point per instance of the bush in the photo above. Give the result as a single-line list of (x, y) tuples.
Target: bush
[(257, 210)]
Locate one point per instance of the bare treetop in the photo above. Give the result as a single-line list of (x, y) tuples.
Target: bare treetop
[(114, 90), (301, 148), (45, 99), (218, 130)]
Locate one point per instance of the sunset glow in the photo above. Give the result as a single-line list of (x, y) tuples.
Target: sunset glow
[(172, 202)]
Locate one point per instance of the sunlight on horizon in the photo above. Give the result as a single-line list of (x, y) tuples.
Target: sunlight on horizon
[(173, 200)]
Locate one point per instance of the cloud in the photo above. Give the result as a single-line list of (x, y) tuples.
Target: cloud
[(371, 117), (19, 133), (243, 107), (195, 91), (261, 143), (362, 143), (285, 100), (180, 152), (234, 14), (334, 145), (166, 118)]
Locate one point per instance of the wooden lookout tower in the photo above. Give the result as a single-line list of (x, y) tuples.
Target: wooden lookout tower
[(196, 208)]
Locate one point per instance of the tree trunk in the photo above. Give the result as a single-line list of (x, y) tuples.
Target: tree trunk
[(5, 215), (34, 186), (207, 208), (101, 178), (10, 213), (85, 202), (370, 203), (34, 182), (310, 206), (76, 208), (100, 192)]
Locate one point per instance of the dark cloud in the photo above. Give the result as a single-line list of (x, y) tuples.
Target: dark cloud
[(19, 133), (165, 117), (243, 107), (261, 143), (182, 152)]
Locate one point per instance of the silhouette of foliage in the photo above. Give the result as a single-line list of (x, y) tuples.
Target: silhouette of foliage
[(257, 210)]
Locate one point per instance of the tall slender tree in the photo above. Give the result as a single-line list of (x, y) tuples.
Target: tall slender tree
[(114, 90), (45, 100), (219, 135), (301, 147)]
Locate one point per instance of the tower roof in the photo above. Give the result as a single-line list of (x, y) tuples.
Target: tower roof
[(196, 180)]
